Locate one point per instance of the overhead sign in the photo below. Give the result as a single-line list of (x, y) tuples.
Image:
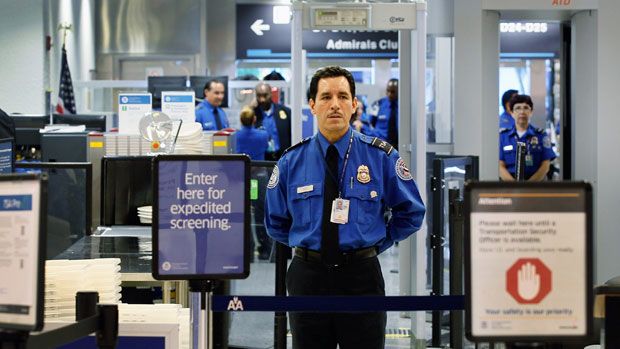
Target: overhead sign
[(264, 32), (530, 40), (131, 108), (528, 267), (201, 217)]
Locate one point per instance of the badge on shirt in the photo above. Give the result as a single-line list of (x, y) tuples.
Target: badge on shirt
[(529, 160), (402, 171), (373, 194), (282, 114), (275, 177), (534, 140), (363, 174), (305, 189), (340, 211)]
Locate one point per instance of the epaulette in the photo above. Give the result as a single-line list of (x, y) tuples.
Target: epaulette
[(305, 140), (504, 129), (540, 130), (378, 143)]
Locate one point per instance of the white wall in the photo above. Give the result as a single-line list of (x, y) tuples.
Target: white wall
[(22, 60), (607, 200)]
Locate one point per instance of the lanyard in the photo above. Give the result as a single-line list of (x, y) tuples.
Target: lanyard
[(527, 142), (344, 166)]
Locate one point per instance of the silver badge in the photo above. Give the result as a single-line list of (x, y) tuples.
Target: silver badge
[(402, 171), (275, 177)]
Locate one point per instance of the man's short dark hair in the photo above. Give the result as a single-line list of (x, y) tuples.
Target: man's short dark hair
[(211, 82), (330, 72), (392, 81), (516, 99), (506, 97)]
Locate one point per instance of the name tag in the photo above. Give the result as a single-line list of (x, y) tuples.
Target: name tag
[(305, 189), (508, 147)]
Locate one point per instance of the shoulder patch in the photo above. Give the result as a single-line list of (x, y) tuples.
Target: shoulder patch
[(305, 140), (381, 144), (275, 178), (546, 142), (402, 171)]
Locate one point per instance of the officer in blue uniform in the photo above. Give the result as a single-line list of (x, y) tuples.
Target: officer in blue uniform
[(250, 140), (538, 154), (208, 112), (505, 119), (275, 119), (327, 198), (384, 116)]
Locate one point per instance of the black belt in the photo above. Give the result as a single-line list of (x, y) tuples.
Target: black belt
[(346, 257)]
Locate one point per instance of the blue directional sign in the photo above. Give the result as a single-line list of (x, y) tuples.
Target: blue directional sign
[(201, 217), (264, 32)]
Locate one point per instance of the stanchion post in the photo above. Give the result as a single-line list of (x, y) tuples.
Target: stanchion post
[(456, 265), (279, 332), (205, 333)]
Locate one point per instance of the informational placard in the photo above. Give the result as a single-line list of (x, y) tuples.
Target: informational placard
[(201, 217), (6, 155), (528, 261), (131, 108), (21, 251), (179, 105)]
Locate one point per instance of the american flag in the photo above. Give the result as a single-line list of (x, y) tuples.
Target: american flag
[(66, 99)]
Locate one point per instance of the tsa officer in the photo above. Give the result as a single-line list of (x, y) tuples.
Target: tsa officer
[(275, 119), (250, 140), (506, 121), (538, 154), (326, 198), (208, 112), (384, 116)]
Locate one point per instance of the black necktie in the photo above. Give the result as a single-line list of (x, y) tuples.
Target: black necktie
[(218, 122), (329, 236), (392, 130)]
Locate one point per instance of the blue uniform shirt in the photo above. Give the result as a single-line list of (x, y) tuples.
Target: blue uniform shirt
[(205, 116), (269, 124), (252, 142), (380, 115), (538, 149), (506, 120), (373, 180)]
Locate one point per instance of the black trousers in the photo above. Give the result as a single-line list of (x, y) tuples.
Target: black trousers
[(326, 330)]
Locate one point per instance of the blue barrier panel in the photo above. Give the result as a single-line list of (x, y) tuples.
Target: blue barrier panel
[(337, 303)]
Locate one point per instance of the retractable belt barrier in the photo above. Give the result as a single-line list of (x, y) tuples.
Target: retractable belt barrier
[(337, 303)]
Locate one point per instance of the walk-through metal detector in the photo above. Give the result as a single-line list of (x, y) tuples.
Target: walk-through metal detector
[(409, 18)]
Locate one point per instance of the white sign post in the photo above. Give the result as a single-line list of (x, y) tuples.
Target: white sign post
[(179, 105), (131, 108)]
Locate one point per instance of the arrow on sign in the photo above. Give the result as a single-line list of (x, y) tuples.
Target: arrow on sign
[(258, 27)]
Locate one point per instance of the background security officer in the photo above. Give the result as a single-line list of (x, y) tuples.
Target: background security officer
[(384, 116), (208, 112), (327, 198), (275, 119), (538, 154)]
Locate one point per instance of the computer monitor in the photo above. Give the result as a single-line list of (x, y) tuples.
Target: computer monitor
[(69, 201), (198, 83), (158, 84), (27, 128), (93, 122), (7, 155), (126, 185)]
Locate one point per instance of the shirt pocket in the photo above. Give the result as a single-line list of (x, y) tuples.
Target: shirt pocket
[(305, 204), (365, 203), (510, 157)]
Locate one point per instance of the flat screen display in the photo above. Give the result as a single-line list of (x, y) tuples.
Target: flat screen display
[(7, 156), (21, 256)]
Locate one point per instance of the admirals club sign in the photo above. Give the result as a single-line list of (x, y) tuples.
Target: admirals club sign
[(264, 32)]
